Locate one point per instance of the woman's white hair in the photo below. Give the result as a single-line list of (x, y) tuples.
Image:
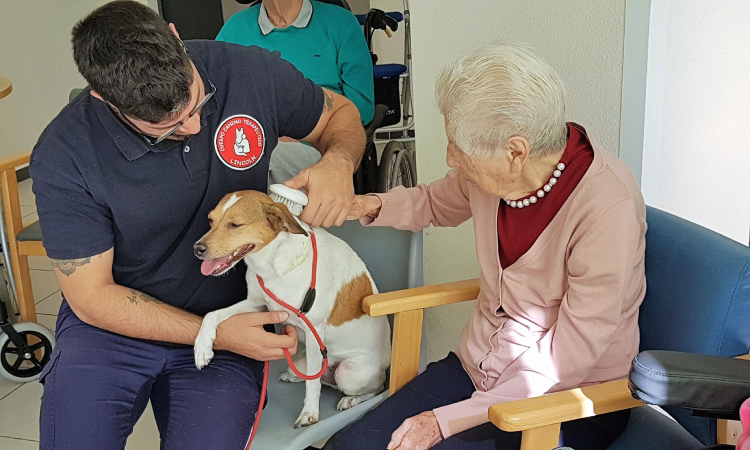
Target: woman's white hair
[(502, 90)]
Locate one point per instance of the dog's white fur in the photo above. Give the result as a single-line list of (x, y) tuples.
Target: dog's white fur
[(359, 350)]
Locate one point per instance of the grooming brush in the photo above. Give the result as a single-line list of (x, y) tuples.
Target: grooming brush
[(293, 199)]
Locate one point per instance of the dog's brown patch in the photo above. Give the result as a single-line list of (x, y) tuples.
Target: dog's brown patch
[(348, 304)]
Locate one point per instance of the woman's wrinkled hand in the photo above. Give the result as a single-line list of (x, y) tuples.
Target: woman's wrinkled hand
[(365, 206), (417, 433)]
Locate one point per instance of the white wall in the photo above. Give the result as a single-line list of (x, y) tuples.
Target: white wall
[(35, 53), (583, 39), (699, 168)]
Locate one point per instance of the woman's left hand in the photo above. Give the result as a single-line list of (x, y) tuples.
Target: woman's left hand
[(417, 433)]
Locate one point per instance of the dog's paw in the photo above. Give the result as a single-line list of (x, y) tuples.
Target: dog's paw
[(204, 348), (287, 377), (306, 419), (202, 358), (348, 402)]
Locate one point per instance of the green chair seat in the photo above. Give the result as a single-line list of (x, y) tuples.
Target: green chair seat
[(31, 233)]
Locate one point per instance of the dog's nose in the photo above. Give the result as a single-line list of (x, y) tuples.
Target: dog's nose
[(199, 249)]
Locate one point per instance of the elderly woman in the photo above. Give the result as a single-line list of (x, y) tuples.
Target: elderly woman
[(325, 42), (559, 226)]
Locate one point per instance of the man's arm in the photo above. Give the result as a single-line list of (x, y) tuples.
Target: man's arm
[(340, 138), (92, 294)]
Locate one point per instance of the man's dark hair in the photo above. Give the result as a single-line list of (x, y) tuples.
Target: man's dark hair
[(128, 54)]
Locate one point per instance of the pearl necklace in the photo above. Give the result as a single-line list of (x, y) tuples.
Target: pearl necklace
[(541, 192)]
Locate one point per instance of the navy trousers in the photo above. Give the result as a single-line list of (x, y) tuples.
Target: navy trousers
[(97, 384), (445, 382)]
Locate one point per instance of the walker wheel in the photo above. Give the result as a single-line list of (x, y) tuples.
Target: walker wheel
[(24, 368)]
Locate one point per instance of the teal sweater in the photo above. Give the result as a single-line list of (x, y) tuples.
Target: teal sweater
[(331, 51)]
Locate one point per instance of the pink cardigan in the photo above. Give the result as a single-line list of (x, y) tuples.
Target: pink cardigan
[(562, 316)]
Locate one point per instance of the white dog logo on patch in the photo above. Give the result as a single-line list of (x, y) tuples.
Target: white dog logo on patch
[(239, 142), (241, 145)]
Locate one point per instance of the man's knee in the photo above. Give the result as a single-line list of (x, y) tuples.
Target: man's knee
[(289, 159), (94, 390)]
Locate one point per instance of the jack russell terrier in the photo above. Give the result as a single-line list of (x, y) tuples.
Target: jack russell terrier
[(278, 249)]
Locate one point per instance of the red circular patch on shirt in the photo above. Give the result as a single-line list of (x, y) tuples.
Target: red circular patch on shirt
[(239, 142)]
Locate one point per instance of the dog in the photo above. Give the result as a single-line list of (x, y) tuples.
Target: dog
[(249, 226)]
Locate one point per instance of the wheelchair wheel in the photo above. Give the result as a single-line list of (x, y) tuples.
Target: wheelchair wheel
[(397, 168), (24, 368)]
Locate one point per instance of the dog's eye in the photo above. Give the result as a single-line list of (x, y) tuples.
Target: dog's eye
[(234, 225)]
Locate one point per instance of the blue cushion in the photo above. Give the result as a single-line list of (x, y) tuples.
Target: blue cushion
[(388, 70), (649, 429), (698, 297)]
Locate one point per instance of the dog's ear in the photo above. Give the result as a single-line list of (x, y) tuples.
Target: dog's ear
[(281, 219)]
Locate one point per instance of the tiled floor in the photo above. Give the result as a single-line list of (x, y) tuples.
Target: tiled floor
[(19, 402)]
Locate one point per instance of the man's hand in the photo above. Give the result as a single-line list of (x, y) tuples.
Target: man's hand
[(365, 206), (244, 334), (340, 138), (330, 190), (417, 433)]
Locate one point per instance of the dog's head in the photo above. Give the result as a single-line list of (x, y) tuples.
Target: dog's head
[(242, 223)]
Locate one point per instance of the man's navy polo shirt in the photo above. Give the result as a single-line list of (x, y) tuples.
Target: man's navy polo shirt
[(99, 185)]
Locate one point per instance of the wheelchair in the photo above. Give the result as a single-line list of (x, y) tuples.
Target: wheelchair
[(25, 347), (392, 125)]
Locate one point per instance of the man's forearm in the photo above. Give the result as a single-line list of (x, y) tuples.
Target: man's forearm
[(132, 313), (343, 139)]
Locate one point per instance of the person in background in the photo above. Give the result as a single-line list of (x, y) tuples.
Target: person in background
[(560, 230), (323, 41)]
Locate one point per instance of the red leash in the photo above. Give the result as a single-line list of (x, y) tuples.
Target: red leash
[(306, 305)]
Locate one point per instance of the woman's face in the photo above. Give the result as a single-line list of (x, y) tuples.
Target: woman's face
[(493, 176)]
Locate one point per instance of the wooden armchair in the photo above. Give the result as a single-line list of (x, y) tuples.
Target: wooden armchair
[(407, 307), (23, 241), (698, 301)]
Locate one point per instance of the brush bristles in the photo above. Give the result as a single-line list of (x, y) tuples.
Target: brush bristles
[(294, 208)]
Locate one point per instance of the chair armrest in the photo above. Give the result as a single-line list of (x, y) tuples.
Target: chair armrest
[(563, 406), (421, 297), (377, 119), (11, 162), (712, 385)]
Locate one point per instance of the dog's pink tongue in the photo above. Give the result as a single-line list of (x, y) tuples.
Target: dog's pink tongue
[(208, 266)]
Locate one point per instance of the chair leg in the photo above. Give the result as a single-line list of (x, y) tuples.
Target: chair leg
[(407, 339), (544, 438), (22, 276)]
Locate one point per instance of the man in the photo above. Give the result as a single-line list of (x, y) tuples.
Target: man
[(325, 42), (124, 178)]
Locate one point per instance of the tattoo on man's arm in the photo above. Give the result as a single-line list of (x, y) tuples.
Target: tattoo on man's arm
[(147, 298), (328, 102), (134, 295), (68, 266)]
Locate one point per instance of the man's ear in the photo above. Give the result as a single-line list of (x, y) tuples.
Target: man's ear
[(281, 219), (174, 30)]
